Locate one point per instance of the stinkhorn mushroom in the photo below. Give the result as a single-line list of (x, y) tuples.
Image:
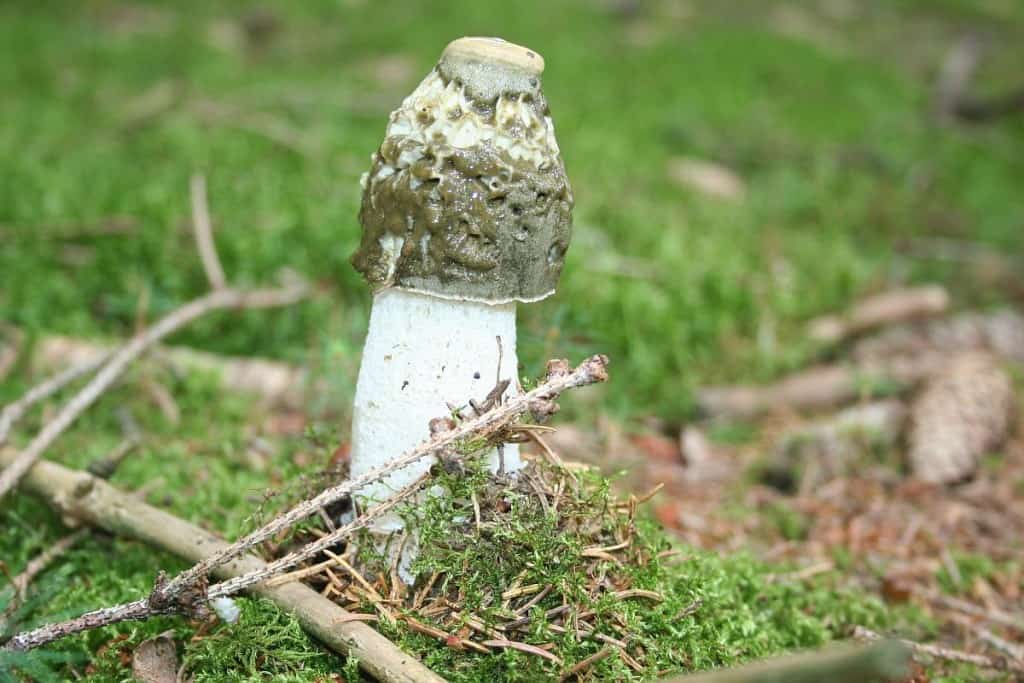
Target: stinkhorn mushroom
[(466, 211)]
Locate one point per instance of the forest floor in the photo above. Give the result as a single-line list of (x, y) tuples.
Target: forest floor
[(739, 168)]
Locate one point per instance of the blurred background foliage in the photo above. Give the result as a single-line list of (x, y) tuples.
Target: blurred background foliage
[(818, 112)]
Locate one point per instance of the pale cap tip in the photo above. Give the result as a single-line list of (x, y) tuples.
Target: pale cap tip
[(494, 51)]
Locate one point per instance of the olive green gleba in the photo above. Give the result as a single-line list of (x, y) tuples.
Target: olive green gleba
[(468, 187)]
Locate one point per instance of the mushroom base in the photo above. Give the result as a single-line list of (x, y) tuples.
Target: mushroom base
[(422, 356)]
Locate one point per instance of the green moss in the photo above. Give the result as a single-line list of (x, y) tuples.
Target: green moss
[(198, 469), (732, 608), (966, 568), (832, 137), (264, 644)]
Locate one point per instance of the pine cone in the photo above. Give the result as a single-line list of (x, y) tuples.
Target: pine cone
[(964, 412)]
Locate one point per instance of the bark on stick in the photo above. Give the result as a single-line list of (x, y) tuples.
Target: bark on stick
[(96, 502), (120, 361)]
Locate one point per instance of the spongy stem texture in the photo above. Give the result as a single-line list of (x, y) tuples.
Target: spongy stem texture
[(422, 355)]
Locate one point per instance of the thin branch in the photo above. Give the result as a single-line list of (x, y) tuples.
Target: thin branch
[(42, 561), (119, 362), (1013, 650), (243, 582), (103, 468), (203, 229), (38, 564), (15, 411), (93, 501), (819, 387), (193, 601), (887, 308), (523, 647), (540, 399), (584, 664), (273, 381), (984, 661), (187, 592), (995, 615)]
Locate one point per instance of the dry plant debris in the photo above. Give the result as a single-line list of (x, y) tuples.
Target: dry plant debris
[(275, 383), (999, 332), (566, 552), (550, 576), (953, 553), (889, 307), (831, 491), (894, 359), (831, 447), (188, 593), (95, 502)]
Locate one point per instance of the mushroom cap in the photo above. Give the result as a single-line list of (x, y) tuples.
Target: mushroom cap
[(467, 196)]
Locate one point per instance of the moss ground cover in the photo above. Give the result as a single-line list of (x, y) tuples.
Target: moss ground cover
[(108, 107)]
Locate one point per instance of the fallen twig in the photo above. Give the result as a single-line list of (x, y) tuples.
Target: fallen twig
[(119, 362), (15, 411), (901, 356), (274, 568), (220, 298), (984, 661), (523, 647), (638, 593), (203, 229), (105, 467), (540, 399), (21, 582), (187, 592), (895, 306), (585, 664), (692, 608), (994, 615), (191, 599), (818, 387), (274, 382), (1012, 650), (1000, 332), (93, 501), (43, 560)]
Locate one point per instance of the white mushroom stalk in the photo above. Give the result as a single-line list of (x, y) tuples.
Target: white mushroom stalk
[(466, 211)]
